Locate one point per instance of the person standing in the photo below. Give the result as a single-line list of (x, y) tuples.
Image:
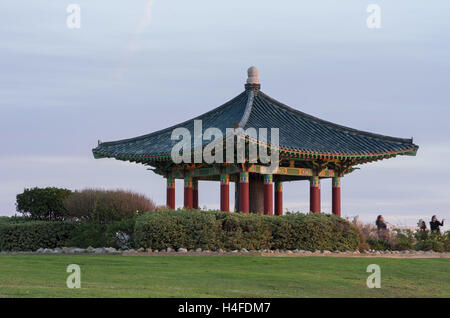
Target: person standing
[(422, 225), (435, 224), (381, 227)]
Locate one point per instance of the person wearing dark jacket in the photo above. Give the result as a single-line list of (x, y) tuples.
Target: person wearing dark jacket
[(381, 227), (435, 224), (422, 225)]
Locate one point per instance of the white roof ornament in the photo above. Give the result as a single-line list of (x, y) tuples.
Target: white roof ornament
[(252, 75), (252, 80)]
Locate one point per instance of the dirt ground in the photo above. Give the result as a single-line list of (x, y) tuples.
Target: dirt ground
[(369, 255)]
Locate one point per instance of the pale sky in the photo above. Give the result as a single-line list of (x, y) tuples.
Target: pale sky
[(135, 67)]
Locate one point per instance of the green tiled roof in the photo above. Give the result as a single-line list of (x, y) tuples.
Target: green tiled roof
[(299, 133)]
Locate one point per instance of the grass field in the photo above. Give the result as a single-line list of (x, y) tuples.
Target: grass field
[(215, 276)]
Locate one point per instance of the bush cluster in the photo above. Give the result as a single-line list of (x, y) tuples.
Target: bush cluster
[(32, 235), (91, 205), (43, 203), (403, 239), (213, 230), (104, 206)]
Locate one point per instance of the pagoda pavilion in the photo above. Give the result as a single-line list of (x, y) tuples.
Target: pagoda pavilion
[(308, 148)]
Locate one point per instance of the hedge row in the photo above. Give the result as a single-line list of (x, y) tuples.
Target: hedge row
[(213, 230), (29, 236), (189, 229), (22, 235)]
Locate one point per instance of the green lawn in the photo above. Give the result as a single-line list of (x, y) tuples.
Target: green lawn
[(215, 276)]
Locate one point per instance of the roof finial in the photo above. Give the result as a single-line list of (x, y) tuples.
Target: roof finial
[(252, 80)]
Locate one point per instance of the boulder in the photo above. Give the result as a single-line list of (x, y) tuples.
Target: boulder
[(57, 251), (99, 250), (110, 250), (182, 250)]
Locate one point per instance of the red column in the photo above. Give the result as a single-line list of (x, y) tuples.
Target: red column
[(314, 194), (268, 194), (243, 193), (336, 194), (195, 194), (278, 198), (225, 192), (170, 195), (188, 193)]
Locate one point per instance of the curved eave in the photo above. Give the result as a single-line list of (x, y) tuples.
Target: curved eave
[(283, 150)]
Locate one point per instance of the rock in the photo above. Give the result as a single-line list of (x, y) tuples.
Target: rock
[(40, 250), (317, 252), (182, 250), (169, 249), (290, 252), (155, 251), (326, 252), (141, 250), (131, 250), (79, 250), (301, 251), (149, 250), (244, 250), (198, 250), (90, 249), (163, 250), (99, 250), (234, 251), (57, 251), (206, 251), (220, 250), (110, 250)]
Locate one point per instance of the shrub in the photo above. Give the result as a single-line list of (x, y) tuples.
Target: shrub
[(29, 236), (432, 241), (104, 206), (404, 240), (88, 234), (379, 245), (176, 229), (213, 230), (43, 203)]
